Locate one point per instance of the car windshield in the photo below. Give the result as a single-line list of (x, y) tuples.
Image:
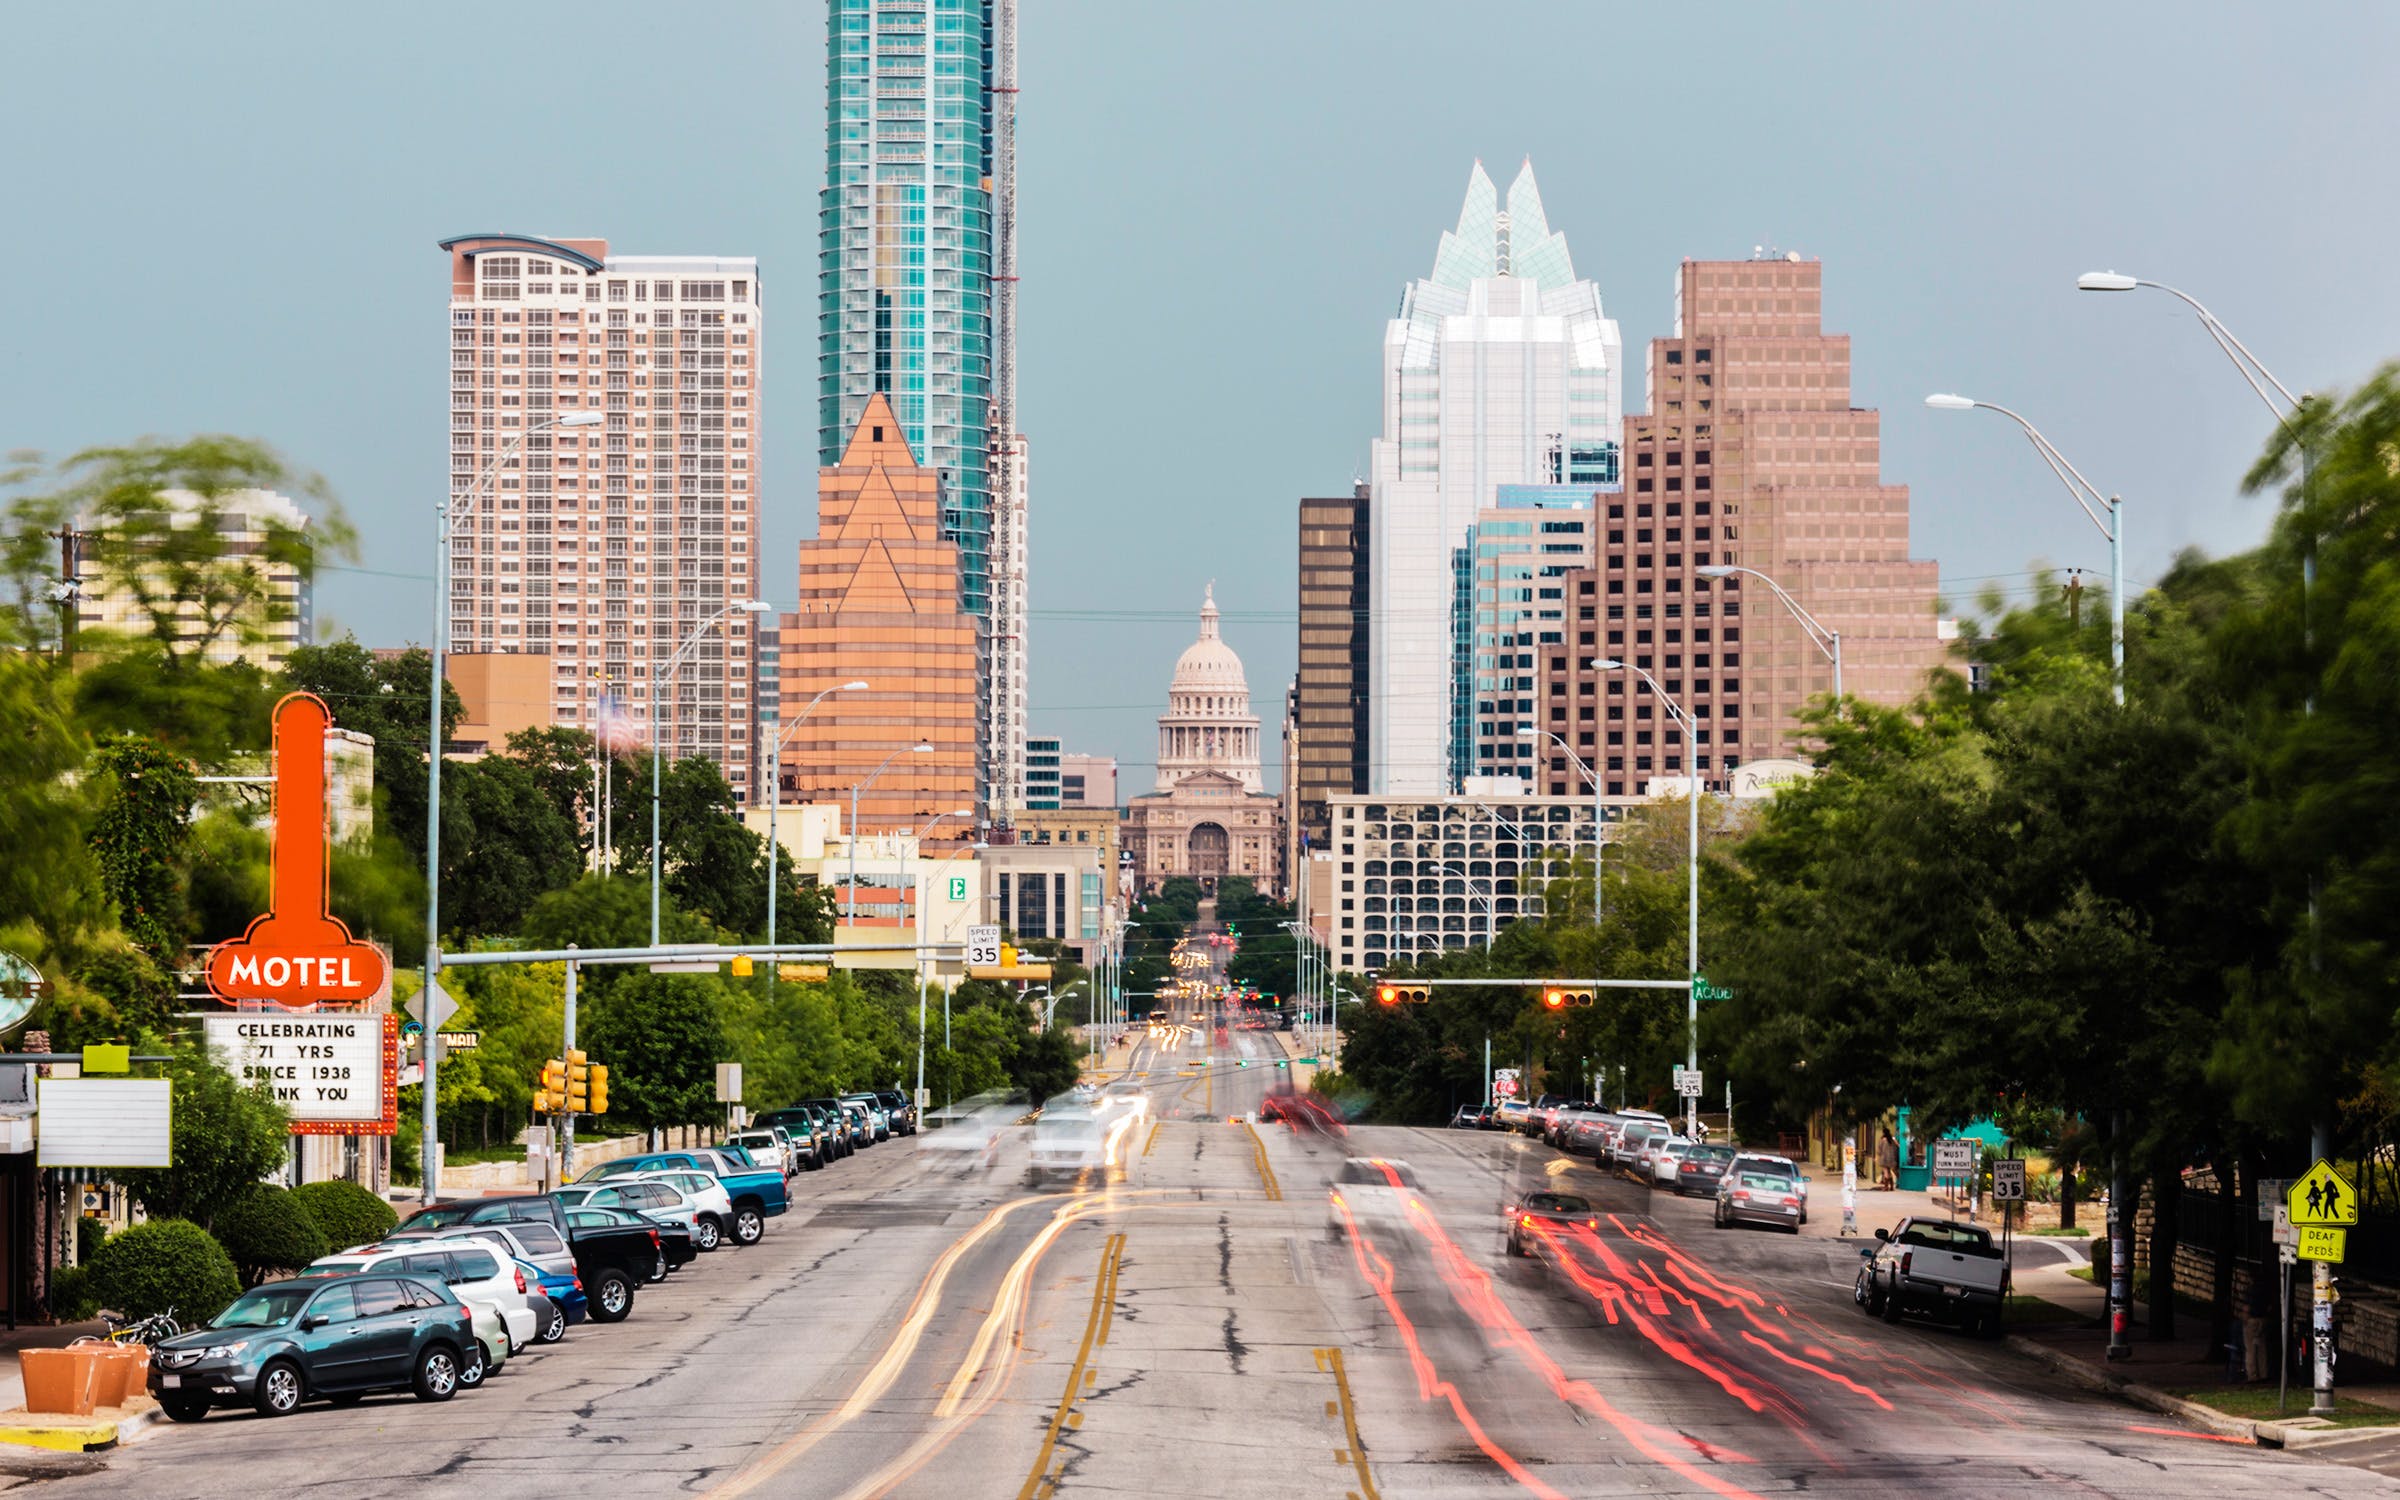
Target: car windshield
[(1709, 1154), (268, 1307), (1765, 1182), (1558, 1203)]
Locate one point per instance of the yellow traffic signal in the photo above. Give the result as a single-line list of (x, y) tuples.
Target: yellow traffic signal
[(1008, 956), (578, 1083), (741, 966), (599, 1089), (550, 1088), (1403, 994)]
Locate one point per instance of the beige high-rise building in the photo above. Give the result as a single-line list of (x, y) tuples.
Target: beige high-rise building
[(608, 548), (117, 589), (1752, 456)]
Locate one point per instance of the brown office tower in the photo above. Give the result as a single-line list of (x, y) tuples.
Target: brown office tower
[(1751, 456), (1330, 709), (879, 604)]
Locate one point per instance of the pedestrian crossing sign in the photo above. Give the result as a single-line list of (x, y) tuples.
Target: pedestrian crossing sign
[(2324, 1196)]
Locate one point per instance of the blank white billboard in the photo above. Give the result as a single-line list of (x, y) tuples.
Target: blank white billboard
[(104, 1122)]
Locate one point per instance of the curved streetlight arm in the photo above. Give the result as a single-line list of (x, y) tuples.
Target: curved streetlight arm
[(2252, 367), (2087, 494), (659, 684), (1822, 637)]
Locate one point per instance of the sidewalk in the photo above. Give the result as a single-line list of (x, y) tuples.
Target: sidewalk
[(18, 1428)]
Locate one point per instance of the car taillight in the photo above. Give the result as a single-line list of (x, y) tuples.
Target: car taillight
[(1906, 1256), (1790, 1202), (520, 1281), (654, 1239), (1741, 1195), (579, 1283), (1591, 1223), (1526, 1220)]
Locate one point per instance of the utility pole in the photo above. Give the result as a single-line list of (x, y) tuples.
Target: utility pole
[(69, 592)]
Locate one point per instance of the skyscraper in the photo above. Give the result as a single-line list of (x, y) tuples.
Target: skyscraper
[(1501, 368), (1751, 456), (879, 604), (915, 249), (1509, 604), (1329, 700), (607, 550)]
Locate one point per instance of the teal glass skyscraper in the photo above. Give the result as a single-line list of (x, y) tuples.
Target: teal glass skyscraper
[(904, 277)]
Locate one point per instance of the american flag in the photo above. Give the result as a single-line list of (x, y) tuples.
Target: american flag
[(615, 728)]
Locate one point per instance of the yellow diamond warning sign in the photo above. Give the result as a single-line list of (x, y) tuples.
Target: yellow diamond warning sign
[(2324, 1196)]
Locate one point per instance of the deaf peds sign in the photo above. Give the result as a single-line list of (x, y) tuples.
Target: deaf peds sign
[(298, 954)]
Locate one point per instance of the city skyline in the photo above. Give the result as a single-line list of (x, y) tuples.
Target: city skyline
[(1966, 291)]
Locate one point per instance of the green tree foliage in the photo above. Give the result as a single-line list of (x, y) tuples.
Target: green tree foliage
[(142, 839), (49, 884), (1047, 1064), (165, 1265), (662, 1037), (516, 844), (267, 1233), (226, 1138), (344, 1213), (712, 863)]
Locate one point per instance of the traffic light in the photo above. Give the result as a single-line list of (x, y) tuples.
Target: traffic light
[(1403, 994), (550, 1088), (579, 1076), (742, 966), (599, 1089), (1561, 999)]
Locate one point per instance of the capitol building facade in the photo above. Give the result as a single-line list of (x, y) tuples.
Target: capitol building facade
[(1209, 817)]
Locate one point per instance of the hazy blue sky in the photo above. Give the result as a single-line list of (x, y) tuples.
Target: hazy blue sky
[(223, 216)]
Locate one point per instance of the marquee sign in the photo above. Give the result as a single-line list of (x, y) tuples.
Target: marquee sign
[(299, 954), (333, 1074)]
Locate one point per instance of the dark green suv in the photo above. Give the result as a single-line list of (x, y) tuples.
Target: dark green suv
[(334, 1336)]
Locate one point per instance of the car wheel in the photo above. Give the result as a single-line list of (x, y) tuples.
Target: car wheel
[(1717, 1217), (554, 1327), (184, 1408), (280, 1389), (658, 1270), (708, 1233), (612, 1296), (749, 1226), (437, 1373), (474, 1367)]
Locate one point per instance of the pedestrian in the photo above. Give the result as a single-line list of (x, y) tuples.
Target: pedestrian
[(2258, 1326), (1887, 1161)]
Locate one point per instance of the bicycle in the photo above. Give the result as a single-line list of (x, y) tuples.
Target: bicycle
[(124, 1330)]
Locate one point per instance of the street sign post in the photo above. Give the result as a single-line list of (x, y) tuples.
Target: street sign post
[(2008, 1180), (2321, 1204), (1954, 1161), (2324, 1196), (1688, 1083), (432, 1006), (983, 946)]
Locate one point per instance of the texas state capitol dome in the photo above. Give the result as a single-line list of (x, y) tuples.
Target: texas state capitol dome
[(1209, 816)]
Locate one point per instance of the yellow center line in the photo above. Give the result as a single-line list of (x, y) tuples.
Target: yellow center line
[(1151, 1144), (1266, 1173), (1355, 1454), (1038, 1483)]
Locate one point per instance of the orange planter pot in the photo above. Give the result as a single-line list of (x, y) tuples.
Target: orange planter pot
[(122, 1372), (60, 1381)]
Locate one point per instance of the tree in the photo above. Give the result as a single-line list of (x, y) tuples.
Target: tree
[(165, 1265), (142, 841), (713, 864), (514, 846), (345, 1213), (559, 760), (1047, 1064), (226, 1137), (661, 1038), (265, 1232)]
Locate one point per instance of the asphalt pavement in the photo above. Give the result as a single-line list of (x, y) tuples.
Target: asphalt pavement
[(1199, 1319)]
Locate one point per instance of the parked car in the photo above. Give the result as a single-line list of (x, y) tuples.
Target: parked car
[(705, 1188), (1560, 1123), (1469, 1117), (799, 1124), (1375, 1190), (340, 1337), (615, 1255), (835, 1124), (1781, 1166), (562, 1304), (766, 1148), (652, 1199), (862, 1123), (1664, 1161), (487, 1211), (757, 1193), (1748, 1196), (481, 1277), (902, 1112), (1702, 1168), (1625, 1148), (1511, 1114), (1554, 1210), (1951, 1270), (1588, 1135)]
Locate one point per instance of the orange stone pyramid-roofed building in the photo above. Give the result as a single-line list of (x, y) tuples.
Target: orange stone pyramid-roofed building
[(879, 603)]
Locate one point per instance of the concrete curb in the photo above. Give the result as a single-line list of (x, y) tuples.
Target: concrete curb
[(65, 1434), (2208, 1418)]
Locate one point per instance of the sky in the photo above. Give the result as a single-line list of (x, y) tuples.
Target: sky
[(223, 218)]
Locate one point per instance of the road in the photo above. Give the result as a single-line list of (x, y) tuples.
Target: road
[(1184, 1324)]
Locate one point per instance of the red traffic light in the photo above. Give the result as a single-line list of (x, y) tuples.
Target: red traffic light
[(1387, 994), (1555, 999)]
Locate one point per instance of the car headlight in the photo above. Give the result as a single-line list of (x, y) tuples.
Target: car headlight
[(225, 1351)]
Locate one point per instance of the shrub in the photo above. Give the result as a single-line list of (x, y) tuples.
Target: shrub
[(71, 1297), (267, 1232), (90, 1235), (345, 1213), (166, 1263)]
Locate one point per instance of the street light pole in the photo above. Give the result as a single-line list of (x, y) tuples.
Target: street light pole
[(1825, 640), (2104, 511), (920, 748), (1691, 766), (1599, 822), (658, 688), (443, 521), (775, 793)]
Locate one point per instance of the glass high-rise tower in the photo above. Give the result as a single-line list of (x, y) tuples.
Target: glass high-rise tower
[(904, 276)]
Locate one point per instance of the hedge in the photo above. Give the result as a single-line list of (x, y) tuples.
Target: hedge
[(345, 1213), (166, 1263), (266, 1232)]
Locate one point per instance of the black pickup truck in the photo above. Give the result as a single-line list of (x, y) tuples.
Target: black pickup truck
[(611, 1260)]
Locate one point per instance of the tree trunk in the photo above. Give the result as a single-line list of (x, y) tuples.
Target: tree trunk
[(2066, 1197), (2166, 1218)]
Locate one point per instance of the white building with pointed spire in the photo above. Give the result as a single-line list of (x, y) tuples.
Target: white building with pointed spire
[(1209, 817), (1500, 369)]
